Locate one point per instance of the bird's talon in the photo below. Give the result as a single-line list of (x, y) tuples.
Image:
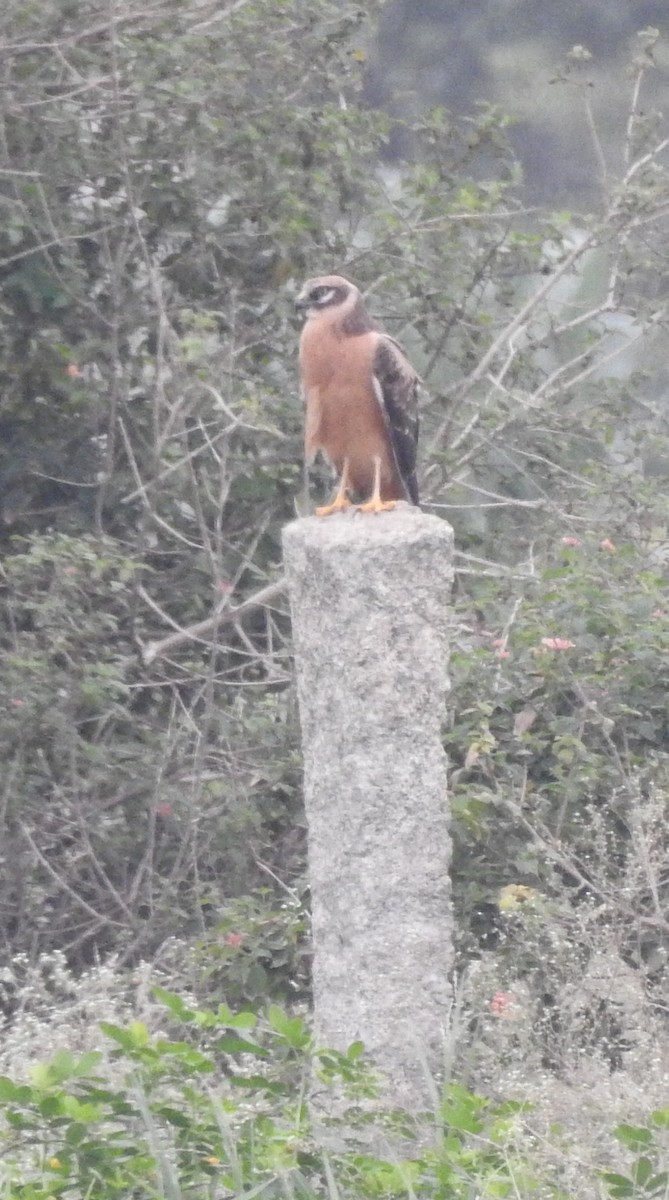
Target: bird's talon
[(338, 505), (377, 506)]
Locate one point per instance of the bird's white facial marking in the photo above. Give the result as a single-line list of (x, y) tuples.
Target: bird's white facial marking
[(322, 296)]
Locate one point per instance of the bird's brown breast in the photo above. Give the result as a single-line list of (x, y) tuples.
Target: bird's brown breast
[(344, 419)]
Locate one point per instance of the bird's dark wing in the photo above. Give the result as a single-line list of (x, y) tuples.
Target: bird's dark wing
[(396, 384)]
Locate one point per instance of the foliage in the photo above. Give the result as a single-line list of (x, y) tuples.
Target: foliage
[(218, 1105), (644, 1179), (441, 52), (149, 442), (99, 801), (559, 723), (259, 949)]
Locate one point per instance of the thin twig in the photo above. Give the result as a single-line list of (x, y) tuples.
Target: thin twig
[(62, 883), (195, 633)]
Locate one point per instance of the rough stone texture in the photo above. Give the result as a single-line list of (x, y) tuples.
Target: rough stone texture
[(369, 598)]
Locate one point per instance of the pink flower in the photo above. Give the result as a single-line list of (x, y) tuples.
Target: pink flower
[(558, 644), (502, 1005), (657, 613), (571, 541), (17, 703), (163, 810), (501, 651), (607, 544), (234, 939)]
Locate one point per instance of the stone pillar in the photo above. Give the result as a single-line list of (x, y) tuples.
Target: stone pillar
[(369, 597)]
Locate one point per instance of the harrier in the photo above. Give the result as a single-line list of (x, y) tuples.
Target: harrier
[(360, 394)]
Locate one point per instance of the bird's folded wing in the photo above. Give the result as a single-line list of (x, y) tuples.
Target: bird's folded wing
[(396, 387)]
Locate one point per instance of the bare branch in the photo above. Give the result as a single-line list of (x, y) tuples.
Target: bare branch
[(222, 616)]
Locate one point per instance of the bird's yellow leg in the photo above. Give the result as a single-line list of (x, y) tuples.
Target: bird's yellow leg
[(341, 500), (376, 504)]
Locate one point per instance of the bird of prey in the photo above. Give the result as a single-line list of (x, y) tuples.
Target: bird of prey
[(361, 398)]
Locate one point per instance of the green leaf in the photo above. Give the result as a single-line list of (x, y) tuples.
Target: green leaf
[(635, 1137), (190, 1056), (462, 1110), (355, 1051), (52, 1105), (174, 1116), (133, 1038), (174, 1004), (62, 1066), (619, 1185), (259, 1083), (292, 1029), (86, 1064), (642, 1171), (230, 1044), (657, 1183), (14, 1093), (256, 980), (81, 1111), (243, 1020), (75, 1134), (139, 1033)]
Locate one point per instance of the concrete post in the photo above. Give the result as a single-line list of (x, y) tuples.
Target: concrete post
[(369, 598)]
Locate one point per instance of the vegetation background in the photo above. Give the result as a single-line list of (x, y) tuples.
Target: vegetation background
[(169, 173)]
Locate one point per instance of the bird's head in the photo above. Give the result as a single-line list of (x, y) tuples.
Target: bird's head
[(326, 292)]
